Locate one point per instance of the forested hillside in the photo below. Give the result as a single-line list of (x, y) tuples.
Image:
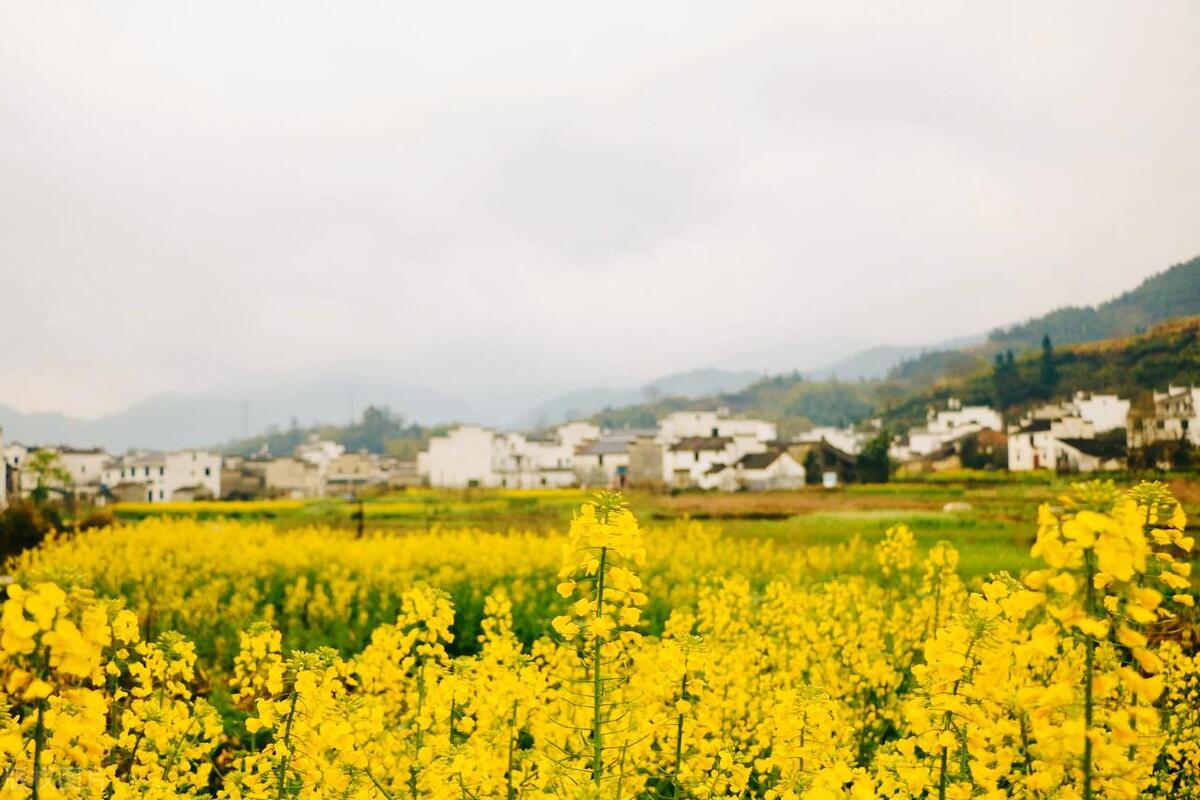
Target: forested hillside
[(1130, 366), (1169, 294)]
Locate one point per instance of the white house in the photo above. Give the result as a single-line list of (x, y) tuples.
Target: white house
[(604, 461), (847, 440), (770, 469), (1031, 446), (698, 460), (159, 477), (950, 424), (957, 417), (461, 458), (1088, 455), (680, 425), (529, 462), (86, 467), (1176, 417), (576, 434), (1106, 412), (470, 455)]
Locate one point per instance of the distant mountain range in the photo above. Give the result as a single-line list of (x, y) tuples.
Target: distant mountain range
[(211, 418), (876, 362), (176, 420)]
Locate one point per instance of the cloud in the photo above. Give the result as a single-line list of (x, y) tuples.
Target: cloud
[(509, 200)]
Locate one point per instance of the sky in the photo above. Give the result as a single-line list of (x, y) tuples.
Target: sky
[(512, 199)]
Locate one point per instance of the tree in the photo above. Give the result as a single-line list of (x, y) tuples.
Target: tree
[(23, 526), (1006, 381), (1047, 372), (873, 464), (48, 475)]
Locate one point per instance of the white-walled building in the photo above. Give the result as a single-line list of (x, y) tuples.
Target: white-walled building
[(685, 453), (461, 458), (698, 445), (159, 477), (531, 462), (1176, 418), (680, 425), (470, 455), (319, 452), (951, 423), (847, 440), (1063, 437), (576, 434), (1031, 446), (1105, 412), (690, 462), (604, 461), (770, 469), (86, 467)]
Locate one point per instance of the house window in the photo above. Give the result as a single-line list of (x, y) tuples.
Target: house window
[(160, 494), (147, 469), (600, 459), (207, 471), (714, 432), (162, 470), (150, 496), (696, 455)]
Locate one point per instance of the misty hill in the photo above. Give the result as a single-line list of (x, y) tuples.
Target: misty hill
[(693, 383), (1129, 366), (204, 419), (1172, 293), (877, 362), (897, 382)]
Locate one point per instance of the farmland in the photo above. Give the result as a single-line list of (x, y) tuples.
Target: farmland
[(866, 642)]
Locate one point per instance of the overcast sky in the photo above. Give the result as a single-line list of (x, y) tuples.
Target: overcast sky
[(555, 195)]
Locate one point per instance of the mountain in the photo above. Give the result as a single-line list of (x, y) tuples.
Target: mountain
[(1129, 366), (584, 403), (895, 381), (203, 419), (877, 362), (1175, 292)]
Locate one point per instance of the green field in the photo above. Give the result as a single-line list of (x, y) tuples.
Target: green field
[(991, 523)]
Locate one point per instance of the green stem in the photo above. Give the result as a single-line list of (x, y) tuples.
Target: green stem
[(39, 744), (597, 680), (679, 727), (510, 792), (378, 786), (1090, 670), (946, 720), (412, 771), (287, 744)]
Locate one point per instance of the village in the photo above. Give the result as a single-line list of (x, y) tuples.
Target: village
[(703, 450)]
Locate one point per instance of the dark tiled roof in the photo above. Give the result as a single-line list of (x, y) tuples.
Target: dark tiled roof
[(1100, 448), (697, 443), (759, 460), (1036, 426)]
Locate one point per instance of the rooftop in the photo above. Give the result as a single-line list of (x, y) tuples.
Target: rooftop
[(698, 443)]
